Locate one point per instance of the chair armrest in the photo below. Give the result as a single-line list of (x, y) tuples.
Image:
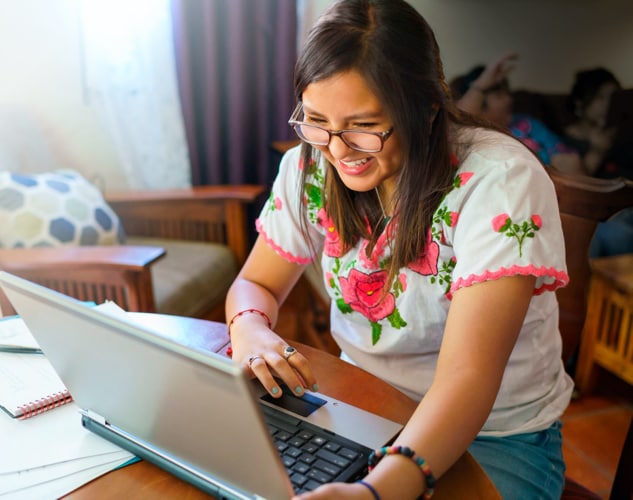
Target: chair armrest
[(201, 213), (91, 273)]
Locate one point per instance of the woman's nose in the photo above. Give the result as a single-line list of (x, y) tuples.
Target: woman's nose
[(338, 149)]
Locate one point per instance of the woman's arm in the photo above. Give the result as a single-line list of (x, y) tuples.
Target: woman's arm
[(483, 324), (253, 300), (495, 72)]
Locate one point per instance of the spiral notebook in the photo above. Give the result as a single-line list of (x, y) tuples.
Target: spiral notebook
[(28, 383)]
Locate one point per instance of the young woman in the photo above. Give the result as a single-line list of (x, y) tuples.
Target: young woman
[(441, 246)]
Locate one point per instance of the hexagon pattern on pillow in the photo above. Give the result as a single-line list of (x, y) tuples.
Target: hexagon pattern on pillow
[(54, 209)]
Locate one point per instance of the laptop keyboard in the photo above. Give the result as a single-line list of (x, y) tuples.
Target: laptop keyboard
[(313, 456)]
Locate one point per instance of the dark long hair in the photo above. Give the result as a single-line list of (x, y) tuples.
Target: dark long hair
[(586, 86), (392, 46)]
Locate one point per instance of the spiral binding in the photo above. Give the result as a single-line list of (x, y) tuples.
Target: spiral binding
[(41, 405)]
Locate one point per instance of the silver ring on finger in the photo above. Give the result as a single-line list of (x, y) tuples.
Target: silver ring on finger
[(289, 351), (252, 359)]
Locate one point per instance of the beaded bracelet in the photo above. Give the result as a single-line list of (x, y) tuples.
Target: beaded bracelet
[(247, 311), (377, 455)]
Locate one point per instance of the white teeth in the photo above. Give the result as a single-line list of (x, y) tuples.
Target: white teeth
[(356, 163)]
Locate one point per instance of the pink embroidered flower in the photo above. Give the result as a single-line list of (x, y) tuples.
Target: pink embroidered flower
[(463, 178), (403, 281), (373, 261), (332, 245), (426, 265), (454, 217), (499, 221), (278, 203), (367, 294), (329, 278), (518, 230)]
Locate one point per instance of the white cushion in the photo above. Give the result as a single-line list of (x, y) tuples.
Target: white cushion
[(54, 209)]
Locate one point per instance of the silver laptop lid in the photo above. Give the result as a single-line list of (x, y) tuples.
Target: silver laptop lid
[(196, 405)]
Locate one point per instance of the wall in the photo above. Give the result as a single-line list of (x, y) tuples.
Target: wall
[(45, 121), (554, 38), (42, 106)]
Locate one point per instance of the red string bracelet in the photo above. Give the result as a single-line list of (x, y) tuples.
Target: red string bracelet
[(249, 311), (375, 456)]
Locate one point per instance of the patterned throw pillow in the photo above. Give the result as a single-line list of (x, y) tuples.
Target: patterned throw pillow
[(54, 209)]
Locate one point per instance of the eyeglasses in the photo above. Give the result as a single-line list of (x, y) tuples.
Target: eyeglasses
[(359, 140)]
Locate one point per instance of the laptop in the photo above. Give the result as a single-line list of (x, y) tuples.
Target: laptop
[(194, 413)]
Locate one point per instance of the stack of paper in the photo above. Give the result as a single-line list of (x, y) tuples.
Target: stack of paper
[(50, 454)]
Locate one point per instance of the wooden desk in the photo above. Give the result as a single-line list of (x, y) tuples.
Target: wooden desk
[(336, 378)]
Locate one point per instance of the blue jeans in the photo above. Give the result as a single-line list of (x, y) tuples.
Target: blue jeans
[(524, 466), (614, 236)]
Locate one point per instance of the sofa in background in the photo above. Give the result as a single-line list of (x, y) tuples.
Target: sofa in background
[(182, 249)]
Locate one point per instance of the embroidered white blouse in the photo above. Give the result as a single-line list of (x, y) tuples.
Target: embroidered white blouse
[(501, 218)]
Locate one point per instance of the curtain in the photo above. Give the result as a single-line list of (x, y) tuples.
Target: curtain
[(235, 61), (130, 80)]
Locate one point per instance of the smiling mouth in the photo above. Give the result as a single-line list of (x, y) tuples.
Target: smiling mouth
[(354, 164)]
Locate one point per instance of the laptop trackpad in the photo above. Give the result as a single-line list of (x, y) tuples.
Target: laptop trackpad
[(301, 405)]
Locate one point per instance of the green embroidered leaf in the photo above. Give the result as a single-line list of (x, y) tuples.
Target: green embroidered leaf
[(337, 265), (343, 306), (314, 194), (376, 330), (396, 320)]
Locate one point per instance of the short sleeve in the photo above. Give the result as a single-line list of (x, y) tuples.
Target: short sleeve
[(279, 222), (507, 219)]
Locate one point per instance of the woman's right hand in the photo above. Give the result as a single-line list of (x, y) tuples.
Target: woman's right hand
[(267, 356), (496, 71)]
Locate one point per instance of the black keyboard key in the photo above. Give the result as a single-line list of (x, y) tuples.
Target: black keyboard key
[(298, 480), (310, 448), (305, 435), (349, 454), (332, 457), (327, 467), (333, 447), (319, 476), (307, 458), (311, 485), (293, 452), (282, 436), (318, 440), (296, 441), (301, 467)]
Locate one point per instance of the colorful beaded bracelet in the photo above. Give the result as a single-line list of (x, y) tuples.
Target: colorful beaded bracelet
[(377, 455), (247, 311)]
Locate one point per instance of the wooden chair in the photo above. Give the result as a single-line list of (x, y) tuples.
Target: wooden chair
[(204, 222), (583, 203)]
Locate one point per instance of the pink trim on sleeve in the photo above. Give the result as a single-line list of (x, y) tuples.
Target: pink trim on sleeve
[(561, 278), (282, 253)]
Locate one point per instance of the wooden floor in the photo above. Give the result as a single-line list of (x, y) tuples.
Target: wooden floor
[(594, 428)]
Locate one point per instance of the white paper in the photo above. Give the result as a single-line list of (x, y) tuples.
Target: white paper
[(60, 486), (52, 437)]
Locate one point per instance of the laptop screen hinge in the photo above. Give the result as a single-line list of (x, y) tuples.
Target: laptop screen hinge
[(94, 416)]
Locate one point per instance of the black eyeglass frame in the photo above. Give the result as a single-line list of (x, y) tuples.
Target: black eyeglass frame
[(296, 125)]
